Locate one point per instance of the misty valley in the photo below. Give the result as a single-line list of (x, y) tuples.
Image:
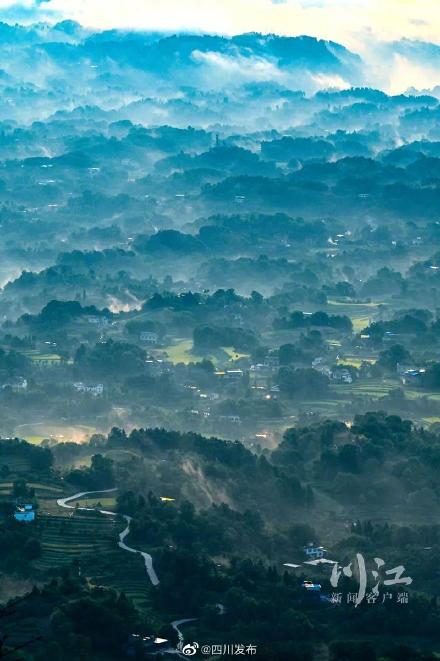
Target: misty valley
[(219, 348)]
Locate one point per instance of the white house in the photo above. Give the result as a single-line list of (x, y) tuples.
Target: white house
[(342, 374), (17, 385), (314, 552), (101, 322), (234, 375), (95, 390), (149, 338)]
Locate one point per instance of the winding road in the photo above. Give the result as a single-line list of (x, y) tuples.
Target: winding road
[(148, 560), (178, 623)]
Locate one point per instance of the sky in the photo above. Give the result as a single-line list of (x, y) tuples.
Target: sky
[(351, 22)]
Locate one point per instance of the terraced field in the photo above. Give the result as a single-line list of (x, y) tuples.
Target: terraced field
[(374, 388), (90, 539), (22, 635), (124, 572), (15, 463), (65, 538), (355, 362), (42, 491), (361, 314), (99, 503)]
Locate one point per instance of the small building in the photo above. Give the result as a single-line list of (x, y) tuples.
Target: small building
[(233, 419), (311, 587), (314, 552), (99, 321), (95, 390), (413, 377), (17, 385), (25, 513), (273, 362), (322, 564), (234, 375), (149, 337), (342, 374), (152, 644), (389, 337)]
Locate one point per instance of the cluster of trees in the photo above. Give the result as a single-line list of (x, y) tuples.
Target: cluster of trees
[(298, 319), (110, 359), (214, 337), (99, 475), (35, 457), (302, 383), (60, 313)]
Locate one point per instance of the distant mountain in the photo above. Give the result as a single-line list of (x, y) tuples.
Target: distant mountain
[(167, 54), (160, 77), (198, 60)]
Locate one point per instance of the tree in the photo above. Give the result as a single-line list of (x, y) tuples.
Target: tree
[(393, 356), (302, 383)]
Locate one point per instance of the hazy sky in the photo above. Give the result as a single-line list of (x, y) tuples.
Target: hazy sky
[(348, 21)]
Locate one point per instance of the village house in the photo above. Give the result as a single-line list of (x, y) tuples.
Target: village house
[(95, 390), (24, 513), (211, 396), (260, 376), (273, 362), (101, 322), (17, 385), (341, 374), (234, 419), (324, 565), (314, 552), (412, 376), (152, 644), (149, 337), (234, 375)]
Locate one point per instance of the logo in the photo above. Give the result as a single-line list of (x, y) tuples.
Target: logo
[(190, 649)]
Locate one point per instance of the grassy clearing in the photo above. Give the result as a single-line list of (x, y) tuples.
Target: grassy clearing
[(356, 362), (374, 388), (37, 357), (182, 352), (417, 394), (359, 323), (348, 305), (105, 503), (234, 355), (39, 431), (431, 420), (334, 343), (361, 314)]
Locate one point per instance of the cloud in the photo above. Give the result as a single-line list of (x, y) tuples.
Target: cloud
[(340, 20), (359, 24), (237, 69)]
